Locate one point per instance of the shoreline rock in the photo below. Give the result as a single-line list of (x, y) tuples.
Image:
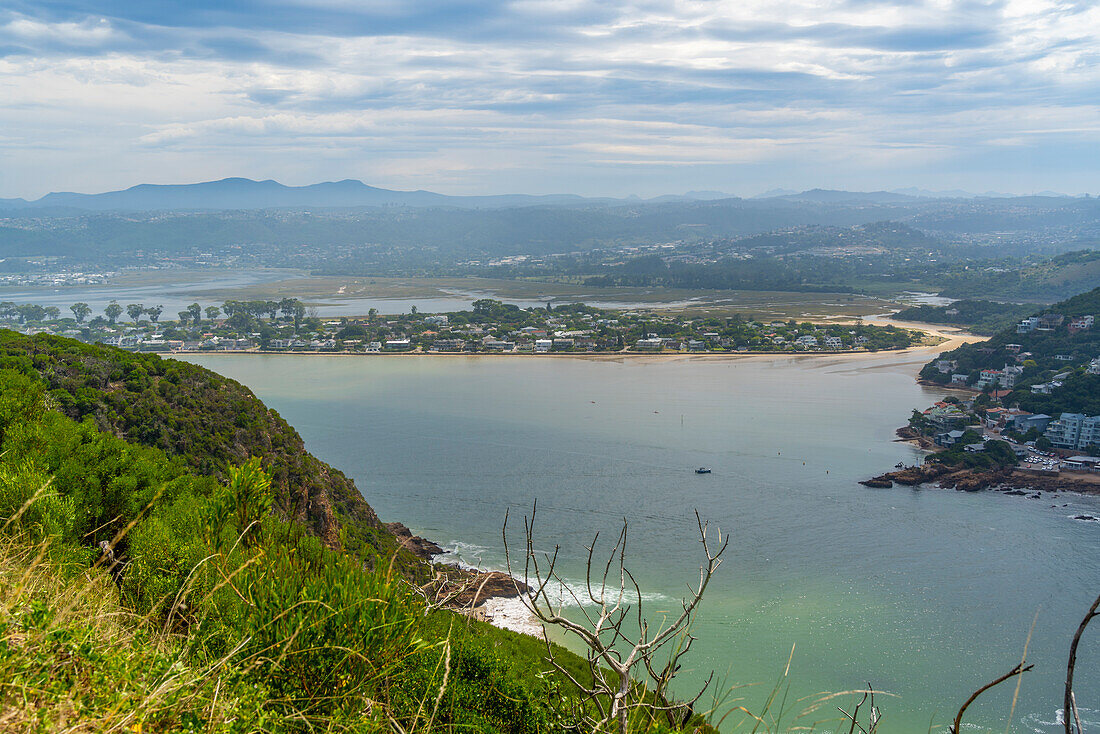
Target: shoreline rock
[(1015, 481), (420, 547)]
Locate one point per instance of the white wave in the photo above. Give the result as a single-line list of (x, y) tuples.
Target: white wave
[(566, 592), (1090, 719)]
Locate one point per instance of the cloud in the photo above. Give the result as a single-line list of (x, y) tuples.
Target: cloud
[(611, 93)]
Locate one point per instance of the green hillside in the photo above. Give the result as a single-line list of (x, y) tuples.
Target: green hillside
[(136, 595), (979, 317), (208, 421), (1054, 352)]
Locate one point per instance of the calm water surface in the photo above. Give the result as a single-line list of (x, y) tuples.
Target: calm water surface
[(925, 593)]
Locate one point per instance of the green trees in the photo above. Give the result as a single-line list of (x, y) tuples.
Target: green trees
[(112, 311), (31, 312), (134, 311), (196, 313), (80, 311), (154, 312), (212, 313)]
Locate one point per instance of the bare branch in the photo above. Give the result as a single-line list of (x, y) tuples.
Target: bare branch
[(615, 651), (1018, 670), (1068, 703)]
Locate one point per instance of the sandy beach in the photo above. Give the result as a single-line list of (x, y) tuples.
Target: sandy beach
[(952, 339)]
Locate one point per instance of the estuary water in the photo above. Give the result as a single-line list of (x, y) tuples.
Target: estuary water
[(927, 594)]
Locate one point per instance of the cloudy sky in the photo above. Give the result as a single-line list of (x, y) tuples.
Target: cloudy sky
[(589, 96)]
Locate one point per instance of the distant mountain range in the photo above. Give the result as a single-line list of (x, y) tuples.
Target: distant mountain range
[(243, 193)]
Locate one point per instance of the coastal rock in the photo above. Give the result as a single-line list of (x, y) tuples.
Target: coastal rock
[(460, 588), (420, 547), (910, 476)]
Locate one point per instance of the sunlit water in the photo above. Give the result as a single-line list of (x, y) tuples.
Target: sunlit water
[(926, 594)]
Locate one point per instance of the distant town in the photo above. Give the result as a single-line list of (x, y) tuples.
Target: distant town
[(490, 326)]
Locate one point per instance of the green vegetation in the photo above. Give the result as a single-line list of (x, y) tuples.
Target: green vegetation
[(979, 317), (1078, 393), (1055, 355), (994, 455), (214, 594), (206, 421), (490, 326)]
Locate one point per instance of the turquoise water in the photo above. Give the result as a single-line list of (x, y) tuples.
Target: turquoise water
[(926, 594)]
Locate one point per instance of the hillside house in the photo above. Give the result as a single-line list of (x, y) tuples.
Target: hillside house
[(1028, 325), (1080, 323)]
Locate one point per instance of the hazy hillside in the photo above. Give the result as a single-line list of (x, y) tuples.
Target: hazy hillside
[(537, 230)]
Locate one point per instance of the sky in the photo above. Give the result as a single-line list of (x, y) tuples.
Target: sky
[(595, 97)]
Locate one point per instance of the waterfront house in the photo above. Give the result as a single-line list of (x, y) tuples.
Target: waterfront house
[(1089, 463), (959, 378), (945, 416), (448, 345), (948, 438), (398, 345), (945, 366), (543, 345), (649, 344), (834, 342), (498, 345)]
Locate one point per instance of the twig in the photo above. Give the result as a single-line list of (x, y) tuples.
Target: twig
[(1018, 670)]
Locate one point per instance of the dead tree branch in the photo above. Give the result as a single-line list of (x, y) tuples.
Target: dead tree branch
[(622, 648), (1069, 703), (1018, 670)]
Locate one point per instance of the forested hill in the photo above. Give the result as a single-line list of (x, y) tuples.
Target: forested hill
[(204, 419), (1055, 353)]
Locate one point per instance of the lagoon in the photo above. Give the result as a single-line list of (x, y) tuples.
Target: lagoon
[(926, 594)]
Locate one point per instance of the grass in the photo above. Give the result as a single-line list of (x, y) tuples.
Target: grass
[(74, 659)]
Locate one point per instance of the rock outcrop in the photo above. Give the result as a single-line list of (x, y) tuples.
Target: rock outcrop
[(420, 547)]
